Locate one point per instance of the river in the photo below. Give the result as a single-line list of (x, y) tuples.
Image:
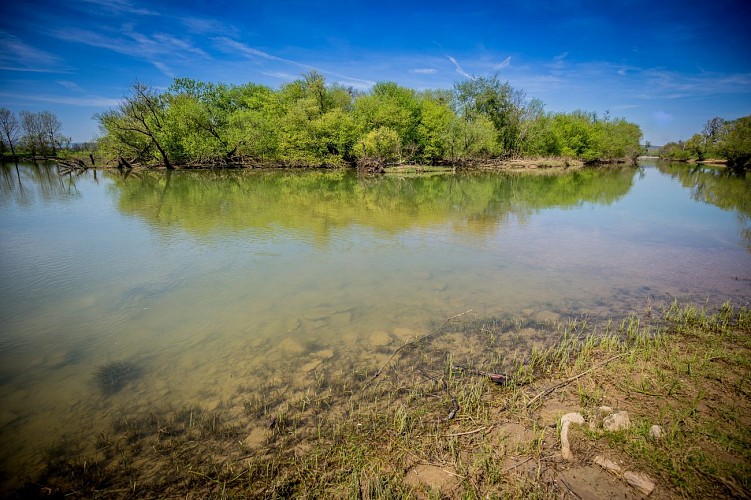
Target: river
[(213, 284)]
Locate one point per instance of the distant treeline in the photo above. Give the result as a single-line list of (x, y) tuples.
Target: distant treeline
[(311, 123), (31, 134), (720, 139)]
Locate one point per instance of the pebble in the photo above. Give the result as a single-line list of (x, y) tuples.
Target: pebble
[(616, 421), (379, 339), (641, 482), (608, 465), (566, 420), (655, 432)]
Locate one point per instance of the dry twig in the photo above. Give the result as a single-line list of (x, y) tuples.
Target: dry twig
[(575, 377)]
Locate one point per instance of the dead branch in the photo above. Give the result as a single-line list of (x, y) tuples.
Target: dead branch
[(575, 377), (498, 378)]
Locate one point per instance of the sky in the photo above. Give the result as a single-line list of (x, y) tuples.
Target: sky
[(668, 66)]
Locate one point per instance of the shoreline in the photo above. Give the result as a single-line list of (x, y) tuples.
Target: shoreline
[(420, 420)]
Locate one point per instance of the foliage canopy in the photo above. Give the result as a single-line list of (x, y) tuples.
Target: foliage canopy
[(309, 122)]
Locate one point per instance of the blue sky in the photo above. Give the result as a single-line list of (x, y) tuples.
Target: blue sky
[(668, 66)]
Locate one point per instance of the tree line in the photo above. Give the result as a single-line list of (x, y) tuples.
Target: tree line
[(729, 140), (31, 134), (310, 122)]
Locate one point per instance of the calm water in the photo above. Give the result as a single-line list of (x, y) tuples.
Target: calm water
[(208, 281)]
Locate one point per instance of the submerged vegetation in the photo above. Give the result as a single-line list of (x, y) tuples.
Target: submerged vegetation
[(113, 376), (429, 427), (311, 123)]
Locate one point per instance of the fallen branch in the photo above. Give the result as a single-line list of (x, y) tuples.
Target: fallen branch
[(454, 402), (487, 427), (498, 378), (575, 377), (412, 343)]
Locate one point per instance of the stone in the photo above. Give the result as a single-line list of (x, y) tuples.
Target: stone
[(323, 354), (380, 339), (616, 421), (547, 317), (641, 482), (566, 420), (311, 365), (608, 465), (655, 432), (290, 346)]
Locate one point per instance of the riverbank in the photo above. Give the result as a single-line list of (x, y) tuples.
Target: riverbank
[(421, 421)]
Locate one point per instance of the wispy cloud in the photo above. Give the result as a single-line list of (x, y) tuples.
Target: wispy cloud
[(207, 26), (424, 71), (17, 55), (503, 64), (84, 101), (228, 44), (73, 86), (251, 52), (279, 74), (121, 7), (163, 68), (154, 49), (459, 69)]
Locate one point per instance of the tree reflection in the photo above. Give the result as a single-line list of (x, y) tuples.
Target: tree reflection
[(721, 187), (320, 201)]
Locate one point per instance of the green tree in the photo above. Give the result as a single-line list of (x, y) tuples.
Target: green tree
[(735, 143), (697, 146), (382, 145), (496, 101), (392, 106), (137, 126)]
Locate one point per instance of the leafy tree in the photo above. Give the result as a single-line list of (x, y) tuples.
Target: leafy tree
[(735, 143), (496, 101), (392, 106), (382, 145), (432, 131), (676, 151), (137, 125), (697, 146)]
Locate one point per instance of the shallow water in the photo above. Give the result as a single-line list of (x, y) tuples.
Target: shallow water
[(212, 282)]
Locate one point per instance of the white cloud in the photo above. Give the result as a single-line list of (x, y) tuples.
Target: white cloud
[(279, 74), (17, 55), (253, 53), (163, 68), (154, 49), (503, 64), (121, 7), (459, 69), (73, 86), (206, 26), (424, 71), (86, 101), (662, 117)]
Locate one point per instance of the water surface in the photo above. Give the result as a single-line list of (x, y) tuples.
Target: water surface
[(214, 282)]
